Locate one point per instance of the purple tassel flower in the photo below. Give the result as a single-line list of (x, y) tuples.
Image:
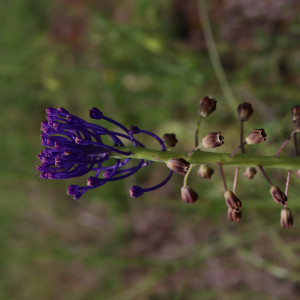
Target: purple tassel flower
[(75, 147)]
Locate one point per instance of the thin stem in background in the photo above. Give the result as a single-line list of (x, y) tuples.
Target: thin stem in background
[(197, 131), (242, 136), (265, 174), (284, 144), (295, 144), (223, 176), (287, 185), (237, 169), (214, 56)]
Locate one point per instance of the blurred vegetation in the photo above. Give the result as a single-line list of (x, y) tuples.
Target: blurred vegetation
[(145, 63)]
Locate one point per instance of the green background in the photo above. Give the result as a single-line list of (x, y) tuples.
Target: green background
[(146, 63)]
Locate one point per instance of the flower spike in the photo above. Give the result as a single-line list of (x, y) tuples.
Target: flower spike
[(74, 148)]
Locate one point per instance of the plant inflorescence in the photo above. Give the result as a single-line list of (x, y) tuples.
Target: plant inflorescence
[(75, 147)]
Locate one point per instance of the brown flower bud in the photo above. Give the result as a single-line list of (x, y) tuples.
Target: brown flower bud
[(178, 165), (297, 173), (188, 195), (250, 172), (232, 201), (256, 136), (286, 218), (295, 113), (205, 171), (207, 106), (170, 139), (245, 111), (213, 140), (278, 195), (234, 216)]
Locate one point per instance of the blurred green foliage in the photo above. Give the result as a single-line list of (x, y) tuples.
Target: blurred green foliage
[(129, 59)]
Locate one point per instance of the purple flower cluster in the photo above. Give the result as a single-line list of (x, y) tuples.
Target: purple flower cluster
[(75, 147)]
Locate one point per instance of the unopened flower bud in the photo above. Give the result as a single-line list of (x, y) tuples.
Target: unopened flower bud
[(207, 106), (232, 201), (178, 165), (205, 171), (278, 195), (295, 113), (134, 129), (136, 191), (250, 172), (170, 139), (95, 113), (93, 181), (286, 218), (188, 195), (234, 216), (73, 189), (245, 111), (256, 136), (213, 140)]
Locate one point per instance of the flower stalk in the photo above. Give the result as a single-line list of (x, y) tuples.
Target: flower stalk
[(205, 157)]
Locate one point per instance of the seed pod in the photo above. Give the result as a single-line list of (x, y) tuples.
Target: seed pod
[(234, 216), (286, 218), (250, 172), (295, 113), (205, 171), (188, 195), (178, 165), (278, 195), (170, 139), (213, 140), (232, 201), (245, 111), (256, 136), (207, 106)]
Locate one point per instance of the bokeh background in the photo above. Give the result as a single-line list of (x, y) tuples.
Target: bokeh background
[(146, 63)]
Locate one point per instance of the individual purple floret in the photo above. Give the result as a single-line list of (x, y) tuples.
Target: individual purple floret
[(75, 147)]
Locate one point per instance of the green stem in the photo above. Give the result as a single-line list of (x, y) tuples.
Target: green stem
[(202, 157), (195, 149), (186, 176), (197, 131)]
